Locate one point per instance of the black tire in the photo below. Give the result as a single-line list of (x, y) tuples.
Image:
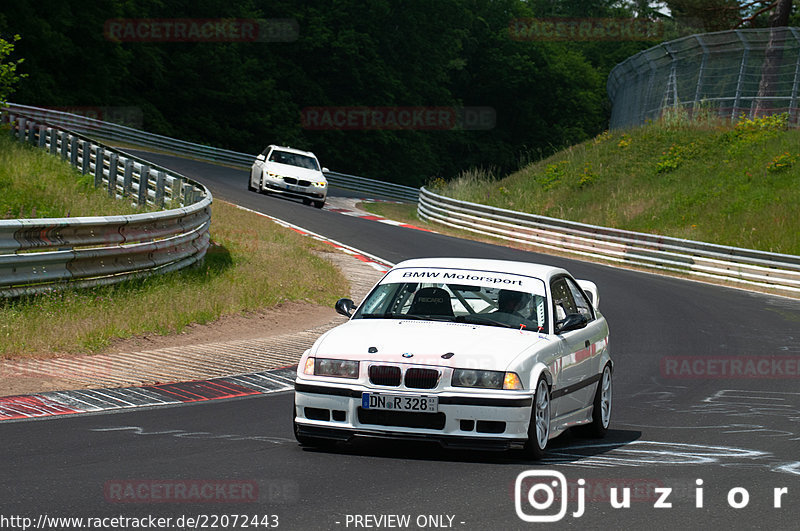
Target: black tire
[(319, 204), (601, 407), (306, 201), (250, 184), (539, 427)]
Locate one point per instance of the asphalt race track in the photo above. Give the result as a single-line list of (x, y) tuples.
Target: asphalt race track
[(716, 441)]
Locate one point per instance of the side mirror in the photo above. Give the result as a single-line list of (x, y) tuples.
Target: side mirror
[(325, 170), (345, 307), (573, 321), (261, 157)]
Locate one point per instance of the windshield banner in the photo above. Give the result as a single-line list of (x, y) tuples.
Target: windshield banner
[(484, 279)]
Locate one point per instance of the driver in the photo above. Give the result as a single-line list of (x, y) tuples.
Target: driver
[(510, 301)]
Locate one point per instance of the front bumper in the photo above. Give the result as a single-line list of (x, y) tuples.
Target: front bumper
[(311, 192), (484, 420)]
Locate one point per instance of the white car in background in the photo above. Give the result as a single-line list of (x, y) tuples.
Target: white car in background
[(289, 171), (471, 353)]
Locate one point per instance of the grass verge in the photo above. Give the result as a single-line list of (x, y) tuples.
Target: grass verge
[(35, 184), (731, 185), (252, 264)]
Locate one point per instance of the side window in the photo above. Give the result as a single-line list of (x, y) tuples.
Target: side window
[(581, 302), (563, 301)]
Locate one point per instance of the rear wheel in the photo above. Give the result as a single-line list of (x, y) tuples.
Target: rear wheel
[(539, 427), (601, 410), (250, 184)]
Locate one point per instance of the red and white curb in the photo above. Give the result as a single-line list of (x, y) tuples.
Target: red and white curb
[(94, 400), (347, 207)]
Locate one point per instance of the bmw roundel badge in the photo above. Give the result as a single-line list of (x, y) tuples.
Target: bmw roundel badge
[(407, 355)]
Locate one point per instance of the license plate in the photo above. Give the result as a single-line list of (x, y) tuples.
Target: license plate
[(418, 404), (294, 188)]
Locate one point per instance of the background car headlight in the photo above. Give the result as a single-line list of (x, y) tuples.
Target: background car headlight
[(486, 379), (331, 367)]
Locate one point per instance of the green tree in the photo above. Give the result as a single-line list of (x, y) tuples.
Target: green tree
[(8, 69)]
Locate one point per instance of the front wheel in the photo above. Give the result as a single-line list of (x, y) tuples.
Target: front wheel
[(261, 188), (539, 427), (319, 204)]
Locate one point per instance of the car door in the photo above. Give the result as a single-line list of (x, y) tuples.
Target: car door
[(574, 388)]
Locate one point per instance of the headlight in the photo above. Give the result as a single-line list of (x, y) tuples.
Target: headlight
[(274, 175), (320, 184), (330, 367), (486, 379)]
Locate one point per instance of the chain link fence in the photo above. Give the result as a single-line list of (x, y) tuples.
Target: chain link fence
[(751, 72)]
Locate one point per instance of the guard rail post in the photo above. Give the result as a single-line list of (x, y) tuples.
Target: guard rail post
[(73, 151), (98, 166), (144, 176), (127, 178), (112, 175)]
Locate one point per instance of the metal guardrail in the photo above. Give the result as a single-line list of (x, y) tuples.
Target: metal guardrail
[(371, 186), (120, 133), (706, 260), (40, 255)]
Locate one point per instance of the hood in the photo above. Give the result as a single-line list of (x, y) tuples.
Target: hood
[(287, 170), (473, 346)]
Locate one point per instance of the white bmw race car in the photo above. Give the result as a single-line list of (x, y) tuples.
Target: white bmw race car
[(288, 171), (471, 353)]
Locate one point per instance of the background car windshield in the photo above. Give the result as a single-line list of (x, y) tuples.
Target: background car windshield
[(294, 159), (457, 303)]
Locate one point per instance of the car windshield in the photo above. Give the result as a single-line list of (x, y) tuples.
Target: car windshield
[(294, 159), (481, 303)]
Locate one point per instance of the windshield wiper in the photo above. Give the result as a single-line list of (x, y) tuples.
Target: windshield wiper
[(410, 317), (474, 319)]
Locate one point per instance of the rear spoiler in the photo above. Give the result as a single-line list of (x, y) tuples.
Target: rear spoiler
[(590, 288)]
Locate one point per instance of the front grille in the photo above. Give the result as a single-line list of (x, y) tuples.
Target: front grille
[(384, 375), (304, 183), (402, 419), (421, 378), (290, 180)]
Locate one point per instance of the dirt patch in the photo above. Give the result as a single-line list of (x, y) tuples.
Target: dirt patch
[(32, 375), (282, 319)]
